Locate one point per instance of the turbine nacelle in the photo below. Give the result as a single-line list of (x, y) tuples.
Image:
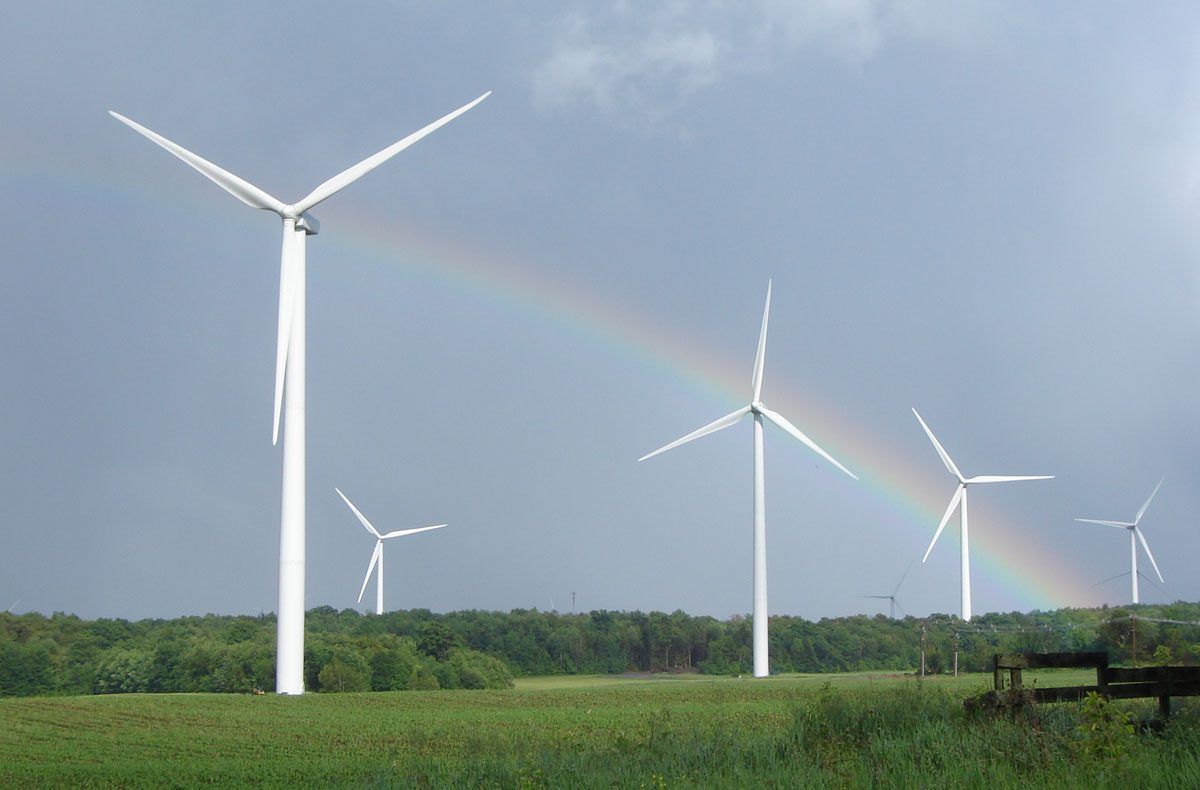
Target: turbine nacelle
[(307, 223)]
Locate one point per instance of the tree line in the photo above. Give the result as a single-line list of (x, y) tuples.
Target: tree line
[(418, 649)]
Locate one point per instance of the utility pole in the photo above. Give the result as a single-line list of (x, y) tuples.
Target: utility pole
[(956, 654), (922, 650), (572, 603)]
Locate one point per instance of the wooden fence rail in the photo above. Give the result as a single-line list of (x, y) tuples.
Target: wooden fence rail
[(1111, 682)]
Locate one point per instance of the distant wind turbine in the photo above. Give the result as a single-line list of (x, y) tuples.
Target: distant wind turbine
[(960, 496), (377, 556), (891, 599), (13, 606), (290, 360), (759, 410), (1135, 535)]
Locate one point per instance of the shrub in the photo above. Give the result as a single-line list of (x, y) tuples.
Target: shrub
[(423, 679)]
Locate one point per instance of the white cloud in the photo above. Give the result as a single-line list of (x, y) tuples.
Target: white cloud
[(645, 60)]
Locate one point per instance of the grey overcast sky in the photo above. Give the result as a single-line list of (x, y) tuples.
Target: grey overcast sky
[(988, 211)]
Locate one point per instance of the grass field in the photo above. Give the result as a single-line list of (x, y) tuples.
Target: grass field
[(798, 730)]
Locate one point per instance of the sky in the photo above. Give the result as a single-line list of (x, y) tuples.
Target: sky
[(987, 211)]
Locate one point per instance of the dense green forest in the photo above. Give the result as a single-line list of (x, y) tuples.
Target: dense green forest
[(418, 649)]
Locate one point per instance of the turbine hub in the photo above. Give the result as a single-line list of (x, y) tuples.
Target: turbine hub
[(757, 406)]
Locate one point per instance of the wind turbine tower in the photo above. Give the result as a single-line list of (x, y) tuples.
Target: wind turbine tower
[(757, 408), (1135, 535), (960, 497), (298, 224)]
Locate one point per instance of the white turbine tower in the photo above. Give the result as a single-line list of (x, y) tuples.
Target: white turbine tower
[(1135, 535), (759, 410), (377, 555), (891, 599), (289, 359), (960, 495)]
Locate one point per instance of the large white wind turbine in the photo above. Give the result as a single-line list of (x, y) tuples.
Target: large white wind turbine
[(891, 599), (759, 410), (377, 555), (1135, 535), (960, 497), (289, 359)]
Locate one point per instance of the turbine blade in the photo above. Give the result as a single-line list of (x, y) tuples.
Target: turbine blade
[(941, 450), (902, 577), (1007, 478), (374, 559), (352, 174), (287, 298), (402, 532), (783, 423), (958, 492), (1146, 546), (1148, 579), (900, 609), (360, 516), (240, 188), (1117, 524), (1138, 518), (761, 355), (715, 425), (1110, 578), (883, 597)]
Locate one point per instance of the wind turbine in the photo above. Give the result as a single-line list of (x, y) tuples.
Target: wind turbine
[(759, 410), (891, 599), (1135, 535), (289, 360), (377, 555), (960, 496)]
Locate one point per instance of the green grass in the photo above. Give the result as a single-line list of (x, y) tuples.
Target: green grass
[(859, 730)]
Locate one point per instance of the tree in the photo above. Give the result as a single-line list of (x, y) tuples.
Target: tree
[(344, 675)]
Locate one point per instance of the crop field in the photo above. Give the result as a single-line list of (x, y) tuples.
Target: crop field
[(798, 730)]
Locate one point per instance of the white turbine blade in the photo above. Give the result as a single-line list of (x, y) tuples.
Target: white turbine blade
[(715, 425), (1146, 546), (1007, 478), (402, 532), (1138, 518), (761, 355), (958, 492), (287, 264), (882, 597), (1117, 524), (783, 423), (374, 559), (240, 188), (360, 516), (900, 608), (352, 174), (941, 450)]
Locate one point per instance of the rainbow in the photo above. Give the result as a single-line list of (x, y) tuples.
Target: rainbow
[(886, 472)]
